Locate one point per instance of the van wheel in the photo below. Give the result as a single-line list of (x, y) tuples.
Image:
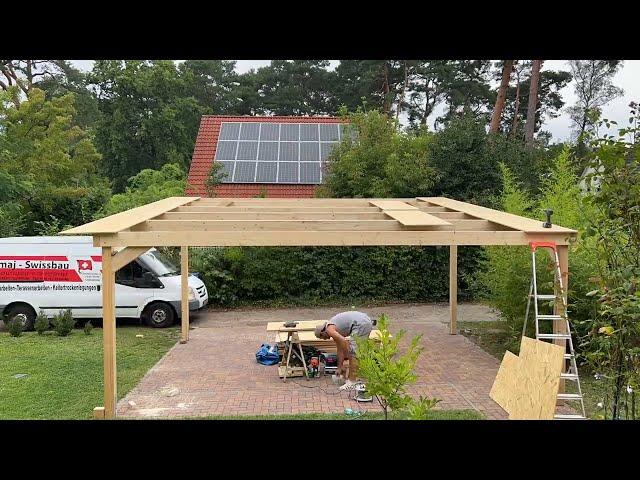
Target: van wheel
[(159, 315), (22, 312)]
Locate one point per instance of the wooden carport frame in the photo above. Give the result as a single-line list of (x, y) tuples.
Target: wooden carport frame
[(202, 222)]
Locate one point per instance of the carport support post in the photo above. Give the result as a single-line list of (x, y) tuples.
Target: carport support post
[(109, 332), (184, 283), (453, 288)]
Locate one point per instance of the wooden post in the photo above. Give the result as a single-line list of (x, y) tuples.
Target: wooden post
[(561, 327), (109, 332), (98, 413), (184, 268), (453, 288)]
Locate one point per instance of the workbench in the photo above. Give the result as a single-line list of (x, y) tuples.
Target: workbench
[(303, 335)]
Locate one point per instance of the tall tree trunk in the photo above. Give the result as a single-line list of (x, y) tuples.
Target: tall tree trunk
[(530, 126), (404, 89), (516, 110), (502, 95), (386, 104)]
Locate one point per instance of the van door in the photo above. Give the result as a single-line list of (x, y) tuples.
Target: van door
[(85, 296), (135, 287)]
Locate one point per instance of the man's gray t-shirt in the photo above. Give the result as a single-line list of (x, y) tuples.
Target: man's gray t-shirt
[(352, 323)]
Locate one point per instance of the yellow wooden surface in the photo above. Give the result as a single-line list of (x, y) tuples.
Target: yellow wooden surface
[(127, 219), (526, 387), (453, 289), (415, 218), (109, 333), (184, 294), (126, 255), (301, 326), (506, 385), (326, 238), (507, 219), (392, 205), (543, 364), (307, 337)]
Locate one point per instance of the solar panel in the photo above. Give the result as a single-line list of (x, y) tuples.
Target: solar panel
[(260, 152), (309, 172), (288, 172), (247, 151), (267, 172), (245, 172), (249, 131), (229, 131), (226, 150)]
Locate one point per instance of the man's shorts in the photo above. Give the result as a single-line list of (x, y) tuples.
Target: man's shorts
[(362, 330)]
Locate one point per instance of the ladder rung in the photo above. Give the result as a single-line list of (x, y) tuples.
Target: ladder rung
[(569, 396), (550, 317), (569, 376), (568, 356), (546, 297), (559, 416), (554, 336)]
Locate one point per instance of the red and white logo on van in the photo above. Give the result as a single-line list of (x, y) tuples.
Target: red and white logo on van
[(85, 265)]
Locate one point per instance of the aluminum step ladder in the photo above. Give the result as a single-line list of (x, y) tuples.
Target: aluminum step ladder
[(571, 374)]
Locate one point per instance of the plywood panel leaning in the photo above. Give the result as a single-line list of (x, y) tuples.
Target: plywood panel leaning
[(526, 386)]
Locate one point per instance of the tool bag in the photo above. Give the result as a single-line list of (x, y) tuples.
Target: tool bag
[(267, 354)]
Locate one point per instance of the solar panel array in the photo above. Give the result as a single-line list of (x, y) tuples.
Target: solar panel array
[(255, 152)]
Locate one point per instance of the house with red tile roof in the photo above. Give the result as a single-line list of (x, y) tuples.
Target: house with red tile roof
[(282, 157)]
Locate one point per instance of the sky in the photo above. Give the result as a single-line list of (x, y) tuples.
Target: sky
[(628, 78)]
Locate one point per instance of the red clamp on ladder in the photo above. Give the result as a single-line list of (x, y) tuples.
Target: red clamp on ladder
[(536, 245)]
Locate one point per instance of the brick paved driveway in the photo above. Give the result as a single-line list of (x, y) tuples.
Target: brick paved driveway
[(216, 372)]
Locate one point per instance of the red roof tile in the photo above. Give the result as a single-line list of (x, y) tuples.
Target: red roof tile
[(205, 150)]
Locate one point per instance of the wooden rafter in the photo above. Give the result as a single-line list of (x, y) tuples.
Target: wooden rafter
[(300, 222)]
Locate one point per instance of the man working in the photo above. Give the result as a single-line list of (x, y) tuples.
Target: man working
[(346, 324)]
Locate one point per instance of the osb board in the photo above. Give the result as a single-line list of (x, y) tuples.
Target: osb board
[(543, 363), (507, 381), (526, 386), (415, 218)]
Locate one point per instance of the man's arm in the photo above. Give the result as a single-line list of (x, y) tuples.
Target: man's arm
[(342, 346)]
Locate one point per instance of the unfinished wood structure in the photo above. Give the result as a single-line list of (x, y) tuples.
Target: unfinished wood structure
[(202, 222)]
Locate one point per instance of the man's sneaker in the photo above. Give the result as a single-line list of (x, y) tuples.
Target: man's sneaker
[(349, 385)]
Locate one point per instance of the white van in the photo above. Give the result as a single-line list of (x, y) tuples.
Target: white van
[(51, 274)]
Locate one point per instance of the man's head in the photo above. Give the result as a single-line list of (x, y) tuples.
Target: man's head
[(321, 331)]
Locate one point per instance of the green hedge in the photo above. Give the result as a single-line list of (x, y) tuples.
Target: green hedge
[(316, 275)]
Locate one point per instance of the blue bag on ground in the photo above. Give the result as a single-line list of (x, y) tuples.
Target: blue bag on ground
[(268, 354)]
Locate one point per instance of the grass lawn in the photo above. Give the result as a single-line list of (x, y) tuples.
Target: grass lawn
[(494, 336), (64, 374), (434, 415)]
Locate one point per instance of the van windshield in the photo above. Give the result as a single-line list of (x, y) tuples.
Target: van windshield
[(158, 264)]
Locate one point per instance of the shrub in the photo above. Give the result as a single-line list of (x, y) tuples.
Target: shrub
[(419, 409), (63, 323), (311, 275), (15, 327), (468, 161), (387, 373), (88, 328), (42, 323), (377, 159), (506, 274)]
